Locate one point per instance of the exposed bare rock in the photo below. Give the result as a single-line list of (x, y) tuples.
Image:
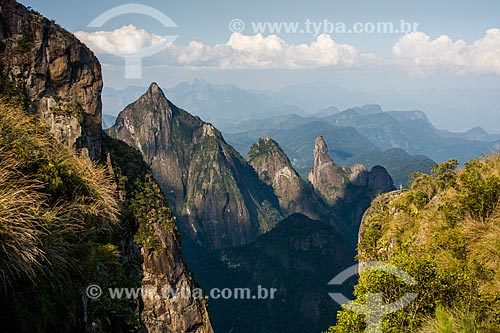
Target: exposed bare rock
[(60, 77), (379, 180), (335, 182), (161, 263), (329, 179), (164, 272), (359, 175), (217, 196), (274, 168)]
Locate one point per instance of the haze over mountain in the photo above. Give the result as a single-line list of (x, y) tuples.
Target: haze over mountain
[(146, 226), (226, 205), (449, 109), (390, 135), (347, 146), (245, 115)]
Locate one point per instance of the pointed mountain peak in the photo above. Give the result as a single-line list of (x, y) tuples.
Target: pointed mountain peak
[(274, 168), (267, 148), (320, 147), (321, 144), (155, 91), (268, 141), (135, 119), (326, 177), (270, 161)]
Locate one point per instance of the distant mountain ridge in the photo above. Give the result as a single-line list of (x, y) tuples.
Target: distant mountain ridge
[(225, 104), (347, 146), (412, 131), (388, 132)]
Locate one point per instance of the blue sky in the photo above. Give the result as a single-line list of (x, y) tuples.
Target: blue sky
[(208, 21), (457, 45)]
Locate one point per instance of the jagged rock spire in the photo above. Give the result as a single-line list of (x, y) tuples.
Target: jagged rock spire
[(326, 177), (275, 169)]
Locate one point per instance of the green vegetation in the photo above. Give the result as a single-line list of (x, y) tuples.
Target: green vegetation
[(144, 206), (70, 110), (65, 224), (24, 43), (444, 231), (12, 90), (270, 217), (58, 213), (261, 149)]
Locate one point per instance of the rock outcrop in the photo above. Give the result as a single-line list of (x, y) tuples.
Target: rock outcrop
[(335, 182), (159, 253), (379, 180), (329, 179), (216, 194), (274, 168), (59, 80), (359, 175), (59, 76)]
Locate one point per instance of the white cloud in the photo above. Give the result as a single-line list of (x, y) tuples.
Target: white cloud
[(239, 51), (127, 40), (424, 55), (417, 52), (258, 51)]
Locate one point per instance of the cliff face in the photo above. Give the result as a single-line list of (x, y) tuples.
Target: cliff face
[(217, 195), (60, 76), (59, 81), (327, 178), (334, 182), (274, 168), (162, 264)]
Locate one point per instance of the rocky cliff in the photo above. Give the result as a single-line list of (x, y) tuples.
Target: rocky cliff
[(332, 182), (329, 179), (274, 168), (159, 252), (58, 75), (217, 195), (58, 80)]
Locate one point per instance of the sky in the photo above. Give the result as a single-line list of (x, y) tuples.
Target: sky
[(440, 45)]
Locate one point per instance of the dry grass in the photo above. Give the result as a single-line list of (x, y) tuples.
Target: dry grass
[(38, 229), (451, 321)]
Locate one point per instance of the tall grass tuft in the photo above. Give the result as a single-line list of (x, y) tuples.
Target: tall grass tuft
[(51, 201), (451, 321)]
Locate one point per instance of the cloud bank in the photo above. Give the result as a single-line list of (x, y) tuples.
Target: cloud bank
[(239, 52), (415, 52), (270, 52), (422, 55)]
